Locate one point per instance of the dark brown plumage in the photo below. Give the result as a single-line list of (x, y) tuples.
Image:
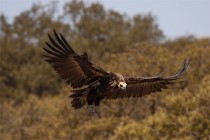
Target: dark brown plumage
[(91, 84)]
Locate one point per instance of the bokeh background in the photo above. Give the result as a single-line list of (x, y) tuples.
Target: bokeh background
[(137, 38)]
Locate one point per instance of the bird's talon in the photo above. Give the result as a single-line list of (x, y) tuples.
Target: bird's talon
[(90, 109), (97, 111)]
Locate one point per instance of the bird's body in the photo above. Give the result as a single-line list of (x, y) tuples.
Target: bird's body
[(96, 91), (91, 84)]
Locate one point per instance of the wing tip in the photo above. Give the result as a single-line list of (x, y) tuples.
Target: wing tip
[(183, 68)]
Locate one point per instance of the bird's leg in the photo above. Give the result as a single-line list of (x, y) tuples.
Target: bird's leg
[(97, 102), (90, 106), (97, 111)]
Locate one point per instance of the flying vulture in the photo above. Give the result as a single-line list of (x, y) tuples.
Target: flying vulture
[(91, 84)]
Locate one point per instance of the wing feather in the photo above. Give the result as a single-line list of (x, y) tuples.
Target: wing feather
[(69, 65), (54, 49), (139, 86), (67, 46), (64, 48), (57, 46)]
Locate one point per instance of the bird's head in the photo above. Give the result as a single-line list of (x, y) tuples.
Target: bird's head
[(122, 85), (119, 81)]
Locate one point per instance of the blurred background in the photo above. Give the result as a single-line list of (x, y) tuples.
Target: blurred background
[(136, 38)]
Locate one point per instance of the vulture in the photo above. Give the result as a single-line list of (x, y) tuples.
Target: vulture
[(91, 84)]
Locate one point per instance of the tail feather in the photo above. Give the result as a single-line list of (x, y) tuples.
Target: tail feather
[(77, 103), (79, 98)]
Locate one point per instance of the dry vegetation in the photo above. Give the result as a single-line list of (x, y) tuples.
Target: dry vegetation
[(34, 102)]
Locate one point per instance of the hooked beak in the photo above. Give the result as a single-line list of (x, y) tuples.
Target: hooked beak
[(124, 89), (122, 85)]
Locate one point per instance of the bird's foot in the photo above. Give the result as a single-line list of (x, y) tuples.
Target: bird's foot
[(91, 109), (97, 111)]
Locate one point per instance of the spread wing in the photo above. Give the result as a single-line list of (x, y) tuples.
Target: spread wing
[(76, 70), (138, 86)]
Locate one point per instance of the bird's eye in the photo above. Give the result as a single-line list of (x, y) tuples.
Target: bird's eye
[(121, 85)]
